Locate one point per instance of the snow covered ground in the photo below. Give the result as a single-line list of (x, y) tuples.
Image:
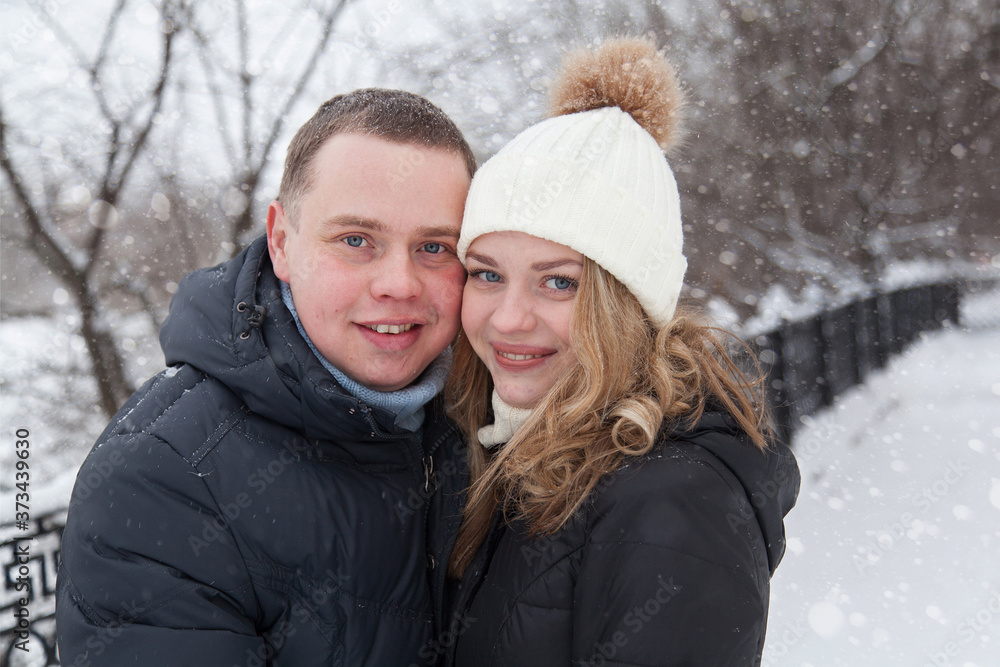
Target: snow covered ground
[(46, 388), (894, 547)]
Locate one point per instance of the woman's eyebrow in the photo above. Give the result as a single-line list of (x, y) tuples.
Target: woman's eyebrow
[(482, 259), (548, 266)]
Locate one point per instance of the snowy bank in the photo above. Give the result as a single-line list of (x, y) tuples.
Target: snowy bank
[(892, 550)]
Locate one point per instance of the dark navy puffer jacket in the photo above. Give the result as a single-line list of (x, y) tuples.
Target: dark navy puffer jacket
[(243, 509), (668, 562)]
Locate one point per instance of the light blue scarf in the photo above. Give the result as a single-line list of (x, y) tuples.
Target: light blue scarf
[(407, 403)]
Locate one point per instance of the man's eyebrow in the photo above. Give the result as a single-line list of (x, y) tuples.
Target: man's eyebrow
[(450, 232), (347, 220), (371, 224)]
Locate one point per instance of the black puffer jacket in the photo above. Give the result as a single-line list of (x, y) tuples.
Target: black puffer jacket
[(667, 563), (242, 509)]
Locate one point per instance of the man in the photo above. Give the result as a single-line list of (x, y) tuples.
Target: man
[(288, 490)]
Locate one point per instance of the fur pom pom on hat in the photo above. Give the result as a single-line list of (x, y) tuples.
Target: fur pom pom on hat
[(594, 177), (624, 73)]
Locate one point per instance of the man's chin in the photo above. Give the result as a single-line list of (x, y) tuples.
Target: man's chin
[(390, 378)]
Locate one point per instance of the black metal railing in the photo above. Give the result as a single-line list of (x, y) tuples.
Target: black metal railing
[(810, 362), (30, 561)]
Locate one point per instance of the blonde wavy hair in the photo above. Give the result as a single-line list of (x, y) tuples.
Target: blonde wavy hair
[(630, 381)]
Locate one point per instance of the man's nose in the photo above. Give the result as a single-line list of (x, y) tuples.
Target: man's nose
[(396, 276)]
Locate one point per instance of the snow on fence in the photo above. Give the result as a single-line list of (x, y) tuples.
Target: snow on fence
[(809, 363)]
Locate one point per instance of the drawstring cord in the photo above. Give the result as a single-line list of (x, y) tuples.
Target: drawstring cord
[(255, 317)]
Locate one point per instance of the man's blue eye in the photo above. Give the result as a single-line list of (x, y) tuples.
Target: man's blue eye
[(355, 241), (433, 248)]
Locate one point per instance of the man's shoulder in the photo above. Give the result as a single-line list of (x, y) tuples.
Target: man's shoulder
[(181, 407)]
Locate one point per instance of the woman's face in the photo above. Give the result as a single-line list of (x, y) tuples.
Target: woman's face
[(516, 311)]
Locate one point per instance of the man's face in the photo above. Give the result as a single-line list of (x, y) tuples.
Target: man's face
[(371, 259)]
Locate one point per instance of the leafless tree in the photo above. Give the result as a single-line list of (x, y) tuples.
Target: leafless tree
[(121, 142), (75, 254), (842, 136), (250, 107)]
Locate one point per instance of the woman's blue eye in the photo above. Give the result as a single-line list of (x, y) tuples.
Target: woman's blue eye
[(355, 241), (560, 283), (433, 248), (488, 276)]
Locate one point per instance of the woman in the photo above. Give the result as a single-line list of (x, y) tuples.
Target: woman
[(626, 503)]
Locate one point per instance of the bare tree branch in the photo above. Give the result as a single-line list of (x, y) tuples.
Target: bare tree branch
[(214, 90), (254, 168), (75, 264), (42, 242), (109, 32)]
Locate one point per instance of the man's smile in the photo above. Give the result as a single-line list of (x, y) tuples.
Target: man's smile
[(390, 328)]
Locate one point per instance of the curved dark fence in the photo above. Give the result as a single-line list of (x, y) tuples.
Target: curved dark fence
[(811, 362), (30, 557)]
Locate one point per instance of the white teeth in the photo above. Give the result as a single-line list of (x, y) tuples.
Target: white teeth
[(390, 328), (520, 357)]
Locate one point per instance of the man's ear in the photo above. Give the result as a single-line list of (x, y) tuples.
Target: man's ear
[(278, 230)]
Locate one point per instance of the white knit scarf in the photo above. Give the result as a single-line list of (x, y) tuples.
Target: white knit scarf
[(507, 420)]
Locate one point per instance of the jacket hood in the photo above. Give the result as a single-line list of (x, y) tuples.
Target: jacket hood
[(770, 477), (230, 323)]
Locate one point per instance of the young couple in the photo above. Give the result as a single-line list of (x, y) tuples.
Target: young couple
[(596, 483)]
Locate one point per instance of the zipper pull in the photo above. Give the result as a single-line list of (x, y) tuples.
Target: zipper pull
[(428, 462)]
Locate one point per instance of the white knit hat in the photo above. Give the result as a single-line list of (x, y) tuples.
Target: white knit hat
[(595, 179)]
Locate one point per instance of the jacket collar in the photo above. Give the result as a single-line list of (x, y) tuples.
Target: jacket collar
[(769, 477)]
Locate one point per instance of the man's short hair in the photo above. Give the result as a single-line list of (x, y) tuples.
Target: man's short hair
[(393, 115)]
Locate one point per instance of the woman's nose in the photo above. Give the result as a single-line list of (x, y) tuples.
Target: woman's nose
[(514, 313)]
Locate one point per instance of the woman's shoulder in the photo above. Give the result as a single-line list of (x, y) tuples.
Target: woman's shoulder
[(699, 489), (714, 451), (667, 483), (681, 460)]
